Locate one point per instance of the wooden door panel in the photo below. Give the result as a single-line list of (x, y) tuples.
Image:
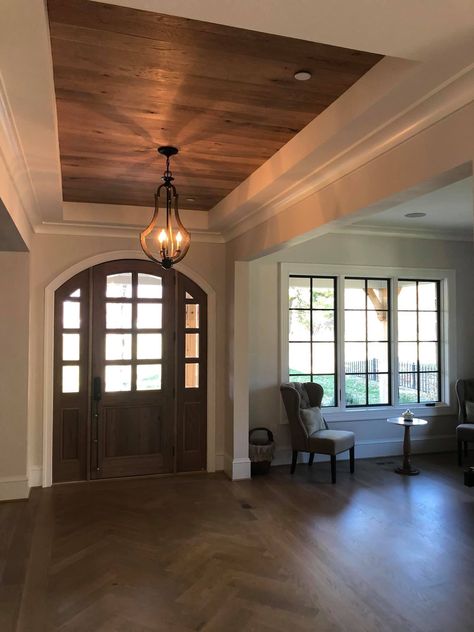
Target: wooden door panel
[(134, 418), (71, 397), (191, 376)]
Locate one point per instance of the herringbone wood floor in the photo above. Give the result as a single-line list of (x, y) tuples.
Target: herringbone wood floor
[(376, 552)]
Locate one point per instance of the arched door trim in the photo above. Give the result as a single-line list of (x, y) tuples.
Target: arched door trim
[(48, 368)]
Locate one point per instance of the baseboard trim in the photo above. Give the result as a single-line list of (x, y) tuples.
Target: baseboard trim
[(220, 462), (35, 476), (237, 469), (14, 488), (377, 447)]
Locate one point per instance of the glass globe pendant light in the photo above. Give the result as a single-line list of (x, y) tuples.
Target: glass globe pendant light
[(165, 240)]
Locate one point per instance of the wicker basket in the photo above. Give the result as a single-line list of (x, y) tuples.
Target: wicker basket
[(261, 450)]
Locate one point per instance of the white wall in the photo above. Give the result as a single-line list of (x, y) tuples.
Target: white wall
[(375, 437), (51, 255), (14, 294)]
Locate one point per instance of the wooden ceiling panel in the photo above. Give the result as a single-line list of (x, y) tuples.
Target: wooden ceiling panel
[(128, 81)]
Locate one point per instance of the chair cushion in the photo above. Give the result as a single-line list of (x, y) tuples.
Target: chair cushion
[(469, 411), (465, 432), (304, 397), (331, 441), (312, 419)]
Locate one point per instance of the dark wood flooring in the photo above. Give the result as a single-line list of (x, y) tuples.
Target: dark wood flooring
[(375, 552)]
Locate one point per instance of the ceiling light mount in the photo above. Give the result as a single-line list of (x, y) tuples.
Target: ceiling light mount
[(166, 237), (302, 75)]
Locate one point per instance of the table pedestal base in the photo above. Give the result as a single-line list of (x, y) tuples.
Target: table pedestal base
[(407, 472)]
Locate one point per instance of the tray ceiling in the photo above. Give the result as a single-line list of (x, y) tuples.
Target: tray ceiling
[(127, 81)]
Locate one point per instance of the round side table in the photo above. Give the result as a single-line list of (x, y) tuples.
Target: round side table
[(407, 468)]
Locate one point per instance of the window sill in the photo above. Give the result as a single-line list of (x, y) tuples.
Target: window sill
[(383, 412)]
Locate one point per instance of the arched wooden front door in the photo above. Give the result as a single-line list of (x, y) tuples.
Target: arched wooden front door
[(130, 388)]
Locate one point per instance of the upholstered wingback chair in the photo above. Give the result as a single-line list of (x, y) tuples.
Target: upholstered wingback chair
[(302, 404), (465, 429)]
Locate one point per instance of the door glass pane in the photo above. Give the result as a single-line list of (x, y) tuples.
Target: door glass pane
[(299, 292), (118, 378), (323, 357), (355, 357), (378, 389), (407, 295), (118, 315), (71, 315), (191, 375), (149, 286), (377, 325), (71, 346), (300, 320), (188, 296), (75, 294), (192, 316), (148, 346), (428, 295), (299, 358), (148, 377), (323, 325), (377, 294), (407, 388), (323, 293), (354, 294), (70, 380), (407, 326), (354, 325), (356, 394), (428, 325), (119, 285), (118, 346), (149, 315), (192, 345)]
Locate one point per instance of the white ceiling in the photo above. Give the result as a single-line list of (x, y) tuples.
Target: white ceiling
[(449, 208), (406, 28)]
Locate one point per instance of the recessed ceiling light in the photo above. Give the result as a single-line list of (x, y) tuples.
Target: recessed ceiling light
[(302, 75), (411, 215)]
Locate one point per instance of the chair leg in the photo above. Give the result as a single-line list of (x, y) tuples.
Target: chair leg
[(459, 452), (311, 458), (352, 459), (333, 468), (465, 448), (293, 461)]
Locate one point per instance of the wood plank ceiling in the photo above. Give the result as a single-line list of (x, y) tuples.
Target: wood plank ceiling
[(127, 81)]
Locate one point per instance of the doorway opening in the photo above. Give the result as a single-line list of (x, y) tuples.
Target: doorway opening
[(130, 373)]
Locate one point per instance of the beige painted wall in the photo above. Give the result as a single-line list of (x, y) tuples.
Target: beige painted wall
[(13, 374), (51, 255), (376, 435)]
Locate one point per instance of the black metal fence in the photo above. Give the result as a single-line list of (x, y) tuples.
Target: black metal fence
[(408, 374)]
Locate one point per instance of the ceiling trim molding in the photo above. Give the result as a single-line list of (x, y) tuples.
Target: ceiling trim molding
[(446, 99), (125, 232), (398, 231)]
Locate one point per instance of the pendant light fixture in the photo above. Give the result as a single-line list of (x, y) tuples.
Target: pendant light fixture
[(165, 240)]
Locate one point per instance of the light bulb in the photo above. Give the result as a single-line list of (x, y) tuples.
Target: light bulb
[(179, 238), (162, 236)]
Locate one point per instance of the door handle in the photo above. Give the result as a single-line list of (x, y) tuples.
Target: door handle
[(97, 389)]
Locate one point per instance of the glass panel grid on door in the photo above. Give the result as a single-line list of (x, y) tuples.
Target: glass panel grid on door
[(419, 375), (70, 341), (367, 342), (133, 332), (312, 333), (191, 342)]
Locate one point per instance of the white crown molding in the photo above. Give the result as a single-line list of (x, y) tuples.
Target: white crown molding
[(16, 164), (124, 232), (447, 98), (409, 233)]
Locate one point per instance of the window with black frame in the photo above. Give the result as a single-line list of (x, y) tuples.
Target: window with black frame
[(312, 333), (419, 378), (367, 342)]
